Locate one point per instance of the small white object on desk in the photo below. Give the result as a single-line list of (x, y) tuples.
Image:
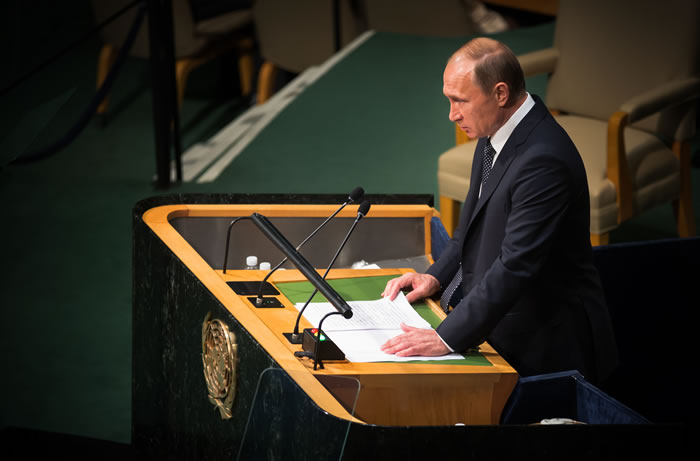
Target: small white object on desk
[(362, 264)]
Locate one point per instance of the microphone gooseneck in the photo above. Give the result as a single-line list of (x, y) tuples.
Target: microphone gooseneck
[(361, 213), (317, 346), (356, 194), (228, 239), (304, 266)]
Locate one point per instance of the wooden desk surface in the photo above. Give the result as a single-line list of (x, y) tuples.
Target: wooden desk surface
[(281, 320), (433, 393)]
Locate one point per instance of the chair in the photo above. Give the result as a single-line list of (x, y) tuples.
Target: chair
[(195, 42), (439, 18), (294, 36), (624, 83)]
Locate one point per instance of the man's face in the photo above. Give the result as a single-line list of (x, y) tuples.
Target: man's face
[(477, 113)]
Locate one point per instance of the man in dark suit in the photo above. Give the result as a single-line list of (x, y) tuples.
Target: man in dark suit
[(522, 248)]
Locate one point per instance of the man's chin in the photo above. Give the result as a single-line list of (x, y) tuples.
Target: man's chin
[(473, 134)]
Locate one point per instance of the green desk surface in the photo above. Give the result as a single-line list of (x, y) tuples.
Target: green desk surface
[(368, 288)]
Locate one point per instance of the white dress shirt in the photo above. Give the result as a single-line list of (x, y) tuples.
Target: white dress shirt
[(499, 138)]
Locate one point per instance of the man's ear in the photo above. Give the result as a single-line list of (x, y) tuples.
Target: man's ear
[(502, 92)]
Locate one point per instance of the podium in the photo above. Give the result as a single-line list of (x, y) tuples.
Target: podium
[(182, 299), (214, 377)]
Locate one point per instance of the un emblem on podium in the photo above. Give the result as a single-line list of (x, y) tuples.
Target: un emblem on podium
[(219, 358)]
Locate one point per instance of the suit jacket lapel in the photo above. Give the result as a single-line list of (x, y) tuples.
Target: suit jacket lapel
[(505, 157), (473, 193)]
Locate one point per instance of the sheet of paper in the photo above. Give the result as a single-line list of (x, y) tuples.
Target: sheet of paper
[(372, 324), (363, 346), (380, 314)]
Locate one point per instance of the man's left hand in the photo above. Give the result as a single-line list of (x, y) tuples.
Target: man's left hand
[(415, 341)]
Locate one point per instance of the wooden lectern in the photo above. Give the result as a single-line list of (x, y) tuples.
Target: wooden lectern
[(207, 361)]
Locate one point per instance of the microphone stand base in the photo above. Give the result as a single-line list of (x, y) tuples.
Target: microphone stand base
[(294, 338), (252, 287), (266, 302)]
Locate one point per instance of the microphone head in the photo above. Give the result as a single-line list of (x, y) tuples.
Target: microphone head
[(357, 194), (363, 209)]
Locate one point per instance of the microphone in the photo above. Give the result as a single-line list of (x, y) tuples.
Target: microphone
[(357, 194), (279, 240), (295, 337), (362, 211)]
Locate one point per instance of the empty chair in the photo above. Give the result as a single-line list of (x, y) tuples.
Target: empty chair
[(296, 35), (196, 42)]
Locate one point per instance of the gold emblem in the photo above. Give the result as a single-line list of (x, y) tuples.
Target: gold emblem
[(219, 358)]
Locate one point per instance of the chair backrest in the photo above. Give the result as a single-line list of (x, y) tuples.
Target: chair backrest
[(610, 51), (186, 42), (438, 18), (295, 35)]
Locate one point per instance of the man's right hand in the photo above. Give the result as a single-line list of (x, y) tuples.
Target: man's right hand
[(422, 285)]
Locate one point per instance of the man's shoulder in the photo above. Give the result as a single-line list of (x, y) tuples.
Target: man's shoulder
[(543, 129)]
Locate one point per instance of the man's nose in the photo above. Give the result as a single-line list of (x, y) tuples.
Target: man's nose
[(454, 114)]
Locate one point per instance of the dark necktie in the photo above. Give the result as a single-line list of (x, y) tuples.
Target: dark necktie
[(452, 294), (487, 164)]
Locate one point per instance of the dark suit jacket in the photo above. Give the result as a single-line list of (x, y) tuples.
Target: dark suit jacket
[(529, 284)]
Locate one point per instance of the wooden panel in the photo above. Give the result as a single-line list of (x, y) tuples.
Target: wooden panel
[(164, 214)]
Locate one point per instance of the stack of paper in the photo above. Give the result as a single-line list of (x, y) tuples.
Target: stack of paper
[(372, 324)]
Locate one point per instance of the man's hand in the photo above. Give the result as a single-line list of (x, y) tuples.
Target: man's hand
[(422, 285), (415, 341)]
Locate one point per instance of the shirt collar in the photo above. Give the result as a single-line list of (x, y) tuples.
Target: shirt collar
[(498, 140)]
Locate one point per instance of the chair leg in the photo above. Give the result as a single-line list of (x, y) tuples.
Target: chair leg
[(449, 214), (266, 81), (246, 66), (600, 239), (683, 207), (104, 63), (183, 67)]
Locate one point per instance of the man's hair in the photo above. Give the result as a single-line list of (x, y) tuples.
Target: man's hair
[(494, 62)]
